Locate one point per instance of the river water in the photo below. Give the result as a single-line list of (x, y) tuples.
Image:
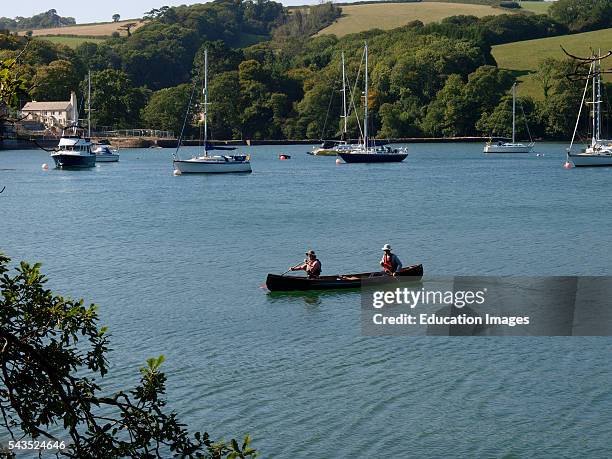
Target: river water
[(176, 265)]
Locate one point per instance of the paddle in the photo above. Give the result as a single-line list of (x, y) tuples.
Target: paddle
[(290, 269)]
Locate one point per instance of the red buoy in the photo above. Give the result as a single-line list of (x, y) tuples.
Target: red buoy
[(568, 165)]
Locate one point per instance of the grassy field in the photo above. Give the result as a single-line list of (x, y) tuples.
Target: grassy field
[(73, 42), (357, 18), (536, 7), (524, 56), (102, 29)]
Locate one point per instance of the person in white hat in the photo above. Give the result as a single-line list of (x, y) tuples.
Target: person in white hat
[(311, 265), (390, 262)]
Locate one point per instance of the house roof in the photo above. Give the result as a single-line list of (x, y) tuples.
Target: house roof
[(41, 106)]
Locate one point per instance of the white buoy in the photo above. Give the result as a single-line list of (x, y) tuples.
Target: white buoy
[(45, 167), (176, 172), (338, 161)]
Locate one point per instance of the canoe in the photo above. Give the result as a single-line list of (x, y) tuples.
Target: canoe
[(277, 283)]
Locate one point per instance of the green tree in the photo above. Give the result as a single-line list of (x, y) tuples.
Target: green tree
[(400, 119), (55, 81), (115, 102), (557, 112), (166, 108), (116, 17), (446, 114), (581, 15), (11, 84), (52, 352), (498, 121), (226, 109)]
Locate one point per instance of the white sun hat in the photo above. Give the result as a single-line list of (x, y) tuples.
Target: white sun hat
[(386, 247)]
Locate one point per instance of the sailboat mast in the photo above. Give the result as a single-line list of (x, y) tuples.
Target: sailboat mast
[(514, 113), (205, 98), (598, 134), (594, 112), (89, 104), (344, 131), (365, 112)]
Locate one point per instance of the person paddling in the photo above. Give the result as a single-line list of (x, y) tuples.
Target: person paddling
[(311, 265), (390, 262)]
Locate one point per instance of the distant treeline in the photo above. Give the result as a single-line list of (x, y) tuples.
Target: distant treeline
[(429, 80), (45, 20)]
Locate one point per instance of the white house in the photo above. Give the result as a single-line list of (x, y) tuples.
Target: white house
[(52, 114)]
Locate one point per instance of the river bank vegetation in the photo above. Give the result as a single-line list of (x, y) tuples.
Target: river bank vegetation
[(273, 77)]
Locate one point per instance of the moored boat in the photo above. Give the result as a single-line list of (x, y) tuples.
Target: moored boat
[(74, 152), (514, 146), (217, 164), (599, 152), (278, 283), (368, 152), (375, 155), (104, 153), (209, 164)]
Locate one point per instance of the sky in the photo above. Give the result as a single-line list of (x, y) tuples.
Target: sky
[(97, 11)]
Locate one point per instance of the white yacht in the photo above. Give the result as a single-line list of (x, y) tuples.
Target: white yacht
[(210, 164), (510, 147), (74, 151), (599, 152), (104, 153)]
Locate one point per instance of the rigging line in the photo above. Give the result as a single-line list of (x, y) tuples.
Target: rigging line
[(43, 148), (525, 118), (180, 139), (328, 109), (355, 90), (586, 87)]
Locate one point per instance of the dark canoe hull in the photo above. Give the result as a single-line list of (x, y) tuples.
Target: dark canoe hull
[(276, 283), (74, 161), (373, 157)]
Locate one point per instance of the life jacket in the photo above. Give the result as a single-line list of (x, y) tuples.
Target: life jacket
[(314, 269), (388, 262)]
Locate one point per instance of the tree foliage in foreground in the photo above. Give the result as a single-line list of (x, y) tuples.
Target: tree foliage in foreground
[(52, 349)]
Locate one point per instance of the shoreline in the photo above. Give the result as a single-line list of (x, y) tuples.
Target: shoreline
[(148, 142)]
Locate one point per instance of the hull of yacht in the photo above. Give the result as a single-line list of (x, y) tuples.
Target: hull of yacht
[(107, 158), (74, 161), (590, 160), (356, 157), (204, 166), (508, 148)]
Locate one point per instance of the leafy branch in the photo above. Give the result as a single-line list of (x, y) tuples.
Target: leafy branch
[(47, 345)]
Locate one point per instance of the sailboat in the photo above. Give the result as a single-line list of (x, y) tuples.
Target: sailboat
[(599, 153), (210, 164), (333, 147), (368, 152), (510, 147), (74, 151)]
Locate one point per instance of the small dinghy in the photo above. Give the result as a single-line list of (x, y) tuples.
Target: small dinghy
[(281, 283)]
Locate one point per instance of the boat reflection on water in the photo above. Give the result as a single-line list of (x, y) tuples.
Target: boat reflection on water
[(310, 297), (317, 297)]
